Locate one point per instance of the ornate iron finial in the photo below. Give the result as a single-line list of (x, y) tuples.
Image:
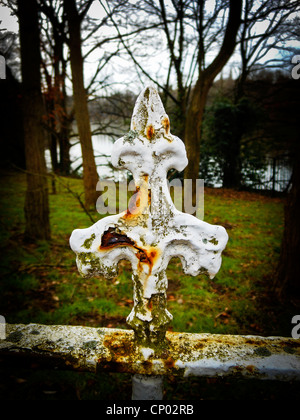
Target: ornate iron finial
[(151, 231)]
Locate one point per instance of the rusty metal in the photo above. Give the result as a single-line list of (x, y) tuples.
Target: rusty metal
[(151, 231), (148, 234), (184, 354)]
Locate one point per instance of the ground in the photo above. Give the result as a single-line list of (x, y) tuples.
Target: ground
[(40, 283)]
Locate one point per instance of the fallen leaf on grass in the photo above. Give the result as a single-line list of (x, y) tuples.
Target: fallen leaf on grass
[(224, 314)]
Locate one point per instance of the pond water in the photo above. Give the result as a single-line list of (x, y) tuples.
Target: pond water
[(103, 144)]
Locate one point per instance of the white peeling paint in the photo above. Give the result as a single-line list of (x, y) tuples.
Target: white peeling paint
[(204, 355), (275, 367), (147, 352), (152, 224)]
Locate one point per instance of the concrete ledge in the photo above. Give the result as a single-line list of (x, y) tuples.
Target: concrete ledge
[(184, 354)]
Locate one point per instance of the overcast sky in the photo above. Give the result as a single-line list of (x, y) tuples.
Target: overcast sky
[(119, 74)]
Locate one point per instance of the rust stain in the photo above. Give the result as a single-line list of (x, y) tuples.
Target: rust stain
[(166, 124), (140, 200), (153, 254), (147, 256), (118, 345), (169, 363), (111, 239), (134, 205), (142, 256), (123, 354), (199, 346), (147, 367), (114, 366), (250, 368), (150, 131)]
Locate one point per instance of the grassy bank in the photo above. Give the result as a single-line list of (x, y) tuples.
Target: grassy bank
[(40, 283)]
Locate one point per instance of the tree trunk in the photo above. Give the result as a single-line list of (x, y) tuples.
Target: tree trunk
[(50, 99), (193, 126), (90, 176), (64, 149), (195, 110), (65, 120), (287, 280), (53, 152), (65, 125), (231, 168), (36, 200)]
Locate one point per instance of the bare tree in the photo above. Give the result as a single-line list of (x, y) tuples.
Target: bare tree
[(36, 200), (265, 26), (59, 117), (191, 32), (90, 176), (206, 76), (261, 32)]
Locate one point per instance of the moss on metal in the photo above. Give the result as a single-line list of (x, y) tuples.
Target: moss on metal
[(183, 354), (88, 242)]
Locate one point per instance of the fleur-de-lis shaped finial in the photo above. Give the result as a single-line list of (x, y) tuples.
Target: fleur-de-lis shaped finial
[(151, 231)]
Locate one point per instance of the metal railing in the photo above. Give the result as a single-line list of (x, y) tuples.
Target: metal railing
[(148, 234)]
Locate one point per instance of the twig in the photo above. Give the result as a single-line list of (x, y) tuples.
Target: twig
[(56, 177), (76, 195)]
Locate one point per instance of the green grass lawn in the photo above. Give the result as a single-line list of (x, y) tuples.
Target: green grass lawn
[(40, 283)]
